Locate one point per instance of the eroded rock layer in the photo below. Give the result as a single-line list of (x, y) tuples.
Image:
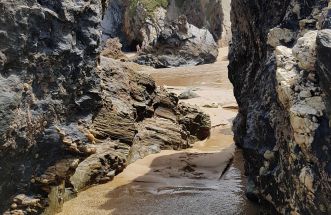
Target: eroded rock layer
[(281, 81), (67, 119)]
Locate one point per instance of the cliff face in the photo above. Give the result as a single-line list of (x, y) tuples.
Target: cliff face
[(200, 13), (135, 22), (112, 20), (281, 81), (179, 44), (48, 53), (151, 29), (68, 119)]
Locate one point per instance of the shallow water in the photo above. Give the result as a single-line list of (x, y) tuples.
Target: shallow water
[(210, 195)]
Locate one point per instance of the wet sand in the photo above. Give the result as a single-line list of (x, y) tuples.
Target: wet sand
[(210, 82), (210, 75), (192, 181), (171, 182)]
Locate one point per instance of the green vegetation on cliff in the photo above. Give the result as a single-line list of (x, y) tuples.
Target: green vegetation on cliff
[(149, 5)]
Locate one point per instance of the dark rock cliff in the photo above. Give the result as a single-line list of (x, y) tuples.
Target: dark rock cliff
[(281, 77), (48, 78), (112, 21), (69, 119)]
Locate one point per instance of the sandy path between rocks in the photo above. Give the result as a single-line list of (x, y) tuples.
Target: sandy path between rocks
[(177, 182)]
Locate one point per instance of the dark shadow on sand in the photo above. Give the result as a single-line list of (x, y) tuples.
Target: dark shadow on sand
[(226, 196)]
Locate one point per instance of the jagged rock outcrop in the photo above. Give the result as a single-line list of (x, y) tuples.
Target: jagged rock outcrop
[(113, 49), (133, 22), (140, 21), (213, 15), (179, 44), (67, 119), (139, 24), (281, 77)]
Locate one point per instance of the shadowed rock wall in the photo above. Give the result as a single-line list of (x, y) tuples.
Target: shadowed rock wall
[(48, 59), (280, 75)]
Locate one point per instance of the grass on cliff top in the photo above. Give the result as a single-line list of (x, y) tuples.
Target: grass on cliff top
[(149, 5)]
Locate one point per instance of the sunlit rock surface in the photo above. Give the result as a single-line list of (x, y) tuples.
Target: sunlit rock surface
[(142, 24), (180, 44)]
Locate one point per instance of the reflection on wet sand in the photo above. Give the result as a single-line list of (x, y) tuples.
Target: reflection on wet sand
[(172, 182)]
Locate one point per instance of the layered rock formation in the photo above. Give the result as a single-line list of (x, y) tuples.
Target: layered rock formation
[(67, 119), (281, 77)]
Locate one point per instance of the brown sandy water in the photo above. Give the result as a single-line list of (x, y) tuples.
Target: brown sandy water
[(192, 181), (210, 75)]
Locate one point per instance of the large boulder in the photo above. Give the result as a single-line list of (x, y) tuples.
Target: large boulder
[(180, 44)]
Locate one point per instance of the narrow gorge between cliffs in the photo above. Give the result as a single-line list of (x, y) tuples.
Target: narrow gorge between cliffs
[(203, 179), (166, 107)]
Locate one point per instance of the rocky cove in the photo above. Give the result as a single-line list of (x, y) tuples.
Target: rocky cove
[(168, 182), (71, 119)]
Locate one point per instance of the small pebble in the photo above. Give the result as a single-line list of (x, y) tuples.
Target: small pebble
[(26, 87), (45, 123), (74, 164), (13, 206)]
